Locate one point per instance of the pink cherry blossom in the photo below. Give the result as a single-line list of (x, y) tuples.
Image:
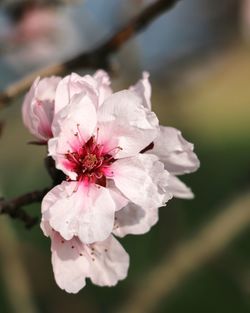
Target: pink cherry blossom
[(38, 107), (98, 148), (105, 263), (94, 160), (120, 166)]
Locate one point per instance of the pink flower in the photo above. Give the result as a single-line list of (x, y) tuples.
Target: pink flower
[(38, 107), (98, 147), (98, 143), (103, 262), (120, 166)]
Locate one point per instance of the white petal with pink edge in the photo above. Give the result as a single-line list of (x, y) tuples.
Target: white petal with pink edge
[(97, 87), (80, 111), (179, 189), (70, 264), (73, 209), (134, 220), (123, 139), (127, 106), (143, 89), (175, 152), (142, 179), (38, 107), (109, 262), (70, 86), (103, 86)]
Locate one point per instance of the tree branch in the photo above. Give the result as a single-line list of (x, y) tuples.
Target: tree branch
[(96, 58), (13, 207)]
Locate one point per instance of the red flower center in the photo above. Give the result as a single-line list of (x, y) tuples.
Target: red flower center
[(90, 163)]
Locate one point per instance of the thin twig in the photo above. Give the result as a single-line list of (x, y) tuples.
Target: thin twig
[(188, 257), (96, 58), (13, 207)]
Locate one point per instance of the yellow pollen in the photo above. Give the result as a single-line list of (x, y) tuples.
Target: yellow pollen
[(90, 160)]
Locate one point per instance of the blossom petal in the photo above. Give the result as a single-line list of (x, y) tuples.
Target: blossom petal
[(103, 86), (175, 152), (118, 198), (130, 140), (38, 107), (142, 179), (128, 106), (78, 210), (97, 87), (143, 89), (134, 126), (78, 115), (45, 227), (179, 189), (134, 220), (70, 86), (70, 264), (109, 262)]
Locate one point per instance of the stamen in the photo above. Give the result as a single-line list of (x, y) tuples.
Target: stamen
[(73, 155), (89, 162)]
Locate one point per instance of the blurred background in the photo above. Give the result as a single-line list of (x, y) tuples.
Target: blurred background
[(198, 56)]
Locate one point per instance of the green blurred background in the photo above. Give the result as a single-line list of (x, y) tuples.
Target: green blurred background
[(199, 59)]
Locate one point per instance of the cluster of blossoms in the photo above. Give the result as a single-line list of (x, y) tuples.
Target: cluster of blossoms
[(120, 166)]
